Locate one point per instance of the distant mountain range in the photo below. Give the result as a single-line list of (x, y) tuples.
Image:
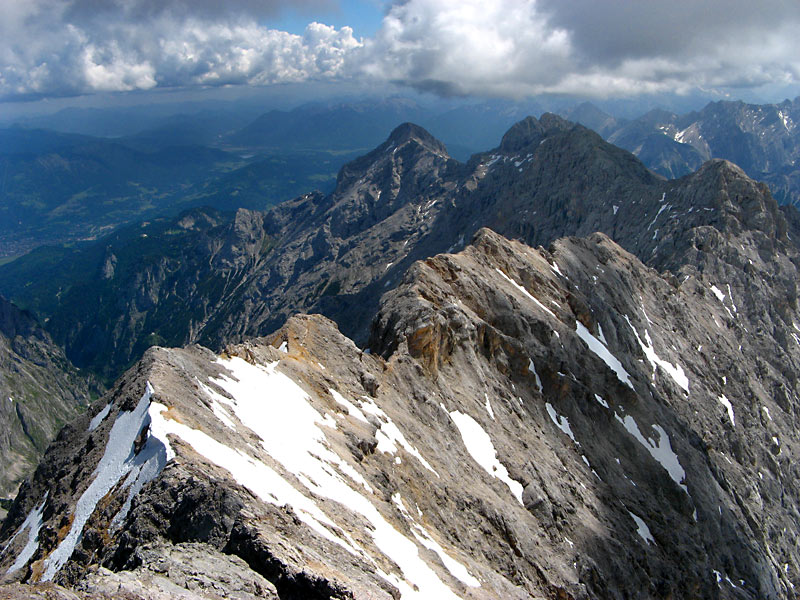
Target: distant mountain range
[(60, 187), (465, 129), (763, 139), (213, 278), (547, 372)]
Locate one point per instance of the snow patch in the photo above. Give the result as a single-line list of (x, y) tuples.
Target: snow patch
[(352, 409), (222, 415), (604, 354), (98, 418), (555, 268), (216, 405), (389, 435), (532, 369), (680, 135), (118, 460), (456, 569), (721, 297), (600, 335), (527, 294), (260, 479), (642, 529), (674, 371), (481, 449), (729, 407), (730, 295), (33, 523), (489, 406), (660, 210), (150, 461), (292, 436), (560, 421), (662, 451)]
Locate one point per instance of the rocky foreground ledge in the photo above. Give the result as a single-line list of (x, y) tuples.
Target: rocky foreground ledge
[(563, 423)]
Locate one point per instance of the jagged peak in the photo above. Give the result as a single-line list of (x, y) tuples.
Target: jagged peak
[(407, 132), (406, 135), (658, 115), (531, 130), (486, 237), (720, 166), (747, 203), (588, 107), (721, 170)]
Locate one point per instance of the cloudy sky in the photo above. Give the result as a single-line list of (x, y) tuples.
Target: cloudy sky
[(486, 48)]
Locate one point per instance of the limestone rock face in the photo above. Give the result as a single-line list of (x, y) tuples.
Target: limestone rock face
[(527, 423)]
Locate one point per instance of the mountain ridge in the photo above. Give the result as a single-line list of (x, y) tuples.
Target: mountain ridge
[(618, 466), (761, 138), (603, 407), (214, 279), (337, 254)]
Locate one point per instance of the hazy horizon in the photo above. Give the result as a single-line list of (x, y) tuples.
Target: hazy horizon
[(63, 53)]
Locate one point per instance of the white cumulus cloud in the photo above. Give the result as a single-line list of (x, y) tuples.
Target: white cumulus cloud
[(507, 48), (56, 47)]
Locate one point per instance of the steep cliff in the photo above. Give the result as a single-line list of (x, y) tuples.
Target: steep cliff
[(40, 391)]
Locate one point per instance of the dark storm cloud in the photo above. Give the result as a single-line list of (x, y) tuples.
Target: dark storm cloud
[(142, 10), (614, 31), (590, 47)]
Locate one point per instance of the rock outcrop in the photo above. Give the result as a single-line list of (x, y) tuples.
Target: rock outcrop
[(527, 423)]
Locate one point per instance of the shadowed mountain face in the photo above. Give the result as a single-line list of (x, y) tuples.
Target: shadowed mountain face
[(40, 391)]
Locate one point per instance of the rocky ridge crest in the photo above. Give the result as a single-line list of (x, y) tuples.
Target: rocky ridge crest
[(534, 423), (761, 138)]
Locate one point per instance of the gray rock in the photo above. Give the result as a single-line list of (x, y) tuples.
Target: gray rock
[(606, 477), (611, 416)]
